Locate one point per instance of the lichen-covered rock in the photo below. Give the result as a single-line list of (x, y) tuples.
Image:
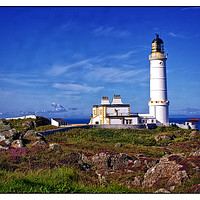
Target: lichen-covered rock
[(55, 147), (167, 169)]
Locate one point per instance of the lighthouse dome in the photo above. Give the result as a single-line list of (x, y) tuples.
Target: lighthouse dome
[(157, 40)]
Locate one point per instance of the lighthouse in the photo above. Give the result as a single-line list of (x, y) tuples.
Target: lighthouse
[(158, 104)]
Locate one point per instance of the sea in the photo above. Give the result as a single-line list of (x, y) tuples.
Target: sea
[(175, 119)]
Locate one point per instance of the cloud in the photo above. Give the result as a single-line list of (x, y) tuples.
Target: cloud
[(123, 56), (110, 31), (176, 35), (116, 75), (76, 88), (57, 70)]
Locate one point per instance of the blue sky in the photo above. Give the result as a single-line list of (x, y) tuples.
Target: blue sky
[(75, 55)]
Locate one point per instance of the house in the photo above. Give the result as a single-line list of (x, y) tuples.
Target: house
[(58, 122), (113, 113)]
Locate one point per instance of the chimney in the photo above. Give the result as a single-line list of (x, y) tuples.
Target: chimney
[(117, 99), (105, 101)]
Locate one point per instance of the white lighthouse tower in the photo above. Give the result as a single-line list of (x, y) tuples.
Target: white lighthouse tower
[(158, 104)]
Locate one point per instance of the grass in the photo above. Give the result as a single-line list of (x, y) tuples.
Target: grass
[(40, 170)]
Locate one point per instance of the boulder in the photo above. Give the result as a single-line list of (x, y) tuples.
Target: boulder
[(102, 178), (17, 144), (12, 134), (194, 133), (107, 160), (196, 153), (55, 147), (162, 137), (3, 148), (39, 143), (118, 145), (137, 163), (28, 124), (33, 134), (167, 169), (4, 125), (162, 190), (6, 142)]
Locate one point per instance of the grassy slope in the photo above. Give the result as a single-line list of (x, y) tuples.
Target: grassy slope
[(38, 170)]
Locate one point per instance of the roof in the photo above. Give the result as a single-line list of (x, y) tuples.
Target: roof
[(113, 105), (59, 120), (157, 40)]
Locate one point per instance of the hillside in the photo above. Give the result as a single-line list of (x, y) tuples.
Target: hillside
[(162, 160)]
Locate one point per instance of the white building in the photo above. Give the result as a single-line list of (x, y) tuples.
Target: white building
[(113, 113), (119, 113), (58, 122)]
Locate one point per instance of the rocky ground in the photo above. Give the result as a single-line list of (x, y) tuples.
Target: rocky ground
[(164, 160)]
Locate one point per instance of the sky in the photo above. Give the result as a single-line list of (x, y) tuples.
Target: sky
[(69, 57)]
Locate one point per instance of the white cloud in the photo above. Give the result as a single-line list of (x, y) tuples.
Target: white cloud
[(116, 75), (110, 31), (123, 56), (176, 35), (57, 70), (71, 88)]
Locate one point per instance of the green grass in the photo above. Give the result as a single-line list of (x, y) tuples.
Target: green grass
[(40, 170), (62, 180)]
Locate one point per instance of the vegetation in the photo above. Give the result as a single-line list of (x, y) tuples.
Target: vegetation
[(38, 169)]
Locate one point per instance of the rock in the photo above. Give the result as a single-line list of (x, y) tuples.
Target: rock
[(137, 163), (162, 190), (17, 144), (167, 169), (118, 145), (55, 147), (177, 178), (194, 133), (6, 142), (196, 153), (12, 134), (102, 178), (107, 160), (3, 148), (150, 163), (39, 143), (2, 138), (172, 188), (32, 136), (4, 125), (162, 137), (28, 124)]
